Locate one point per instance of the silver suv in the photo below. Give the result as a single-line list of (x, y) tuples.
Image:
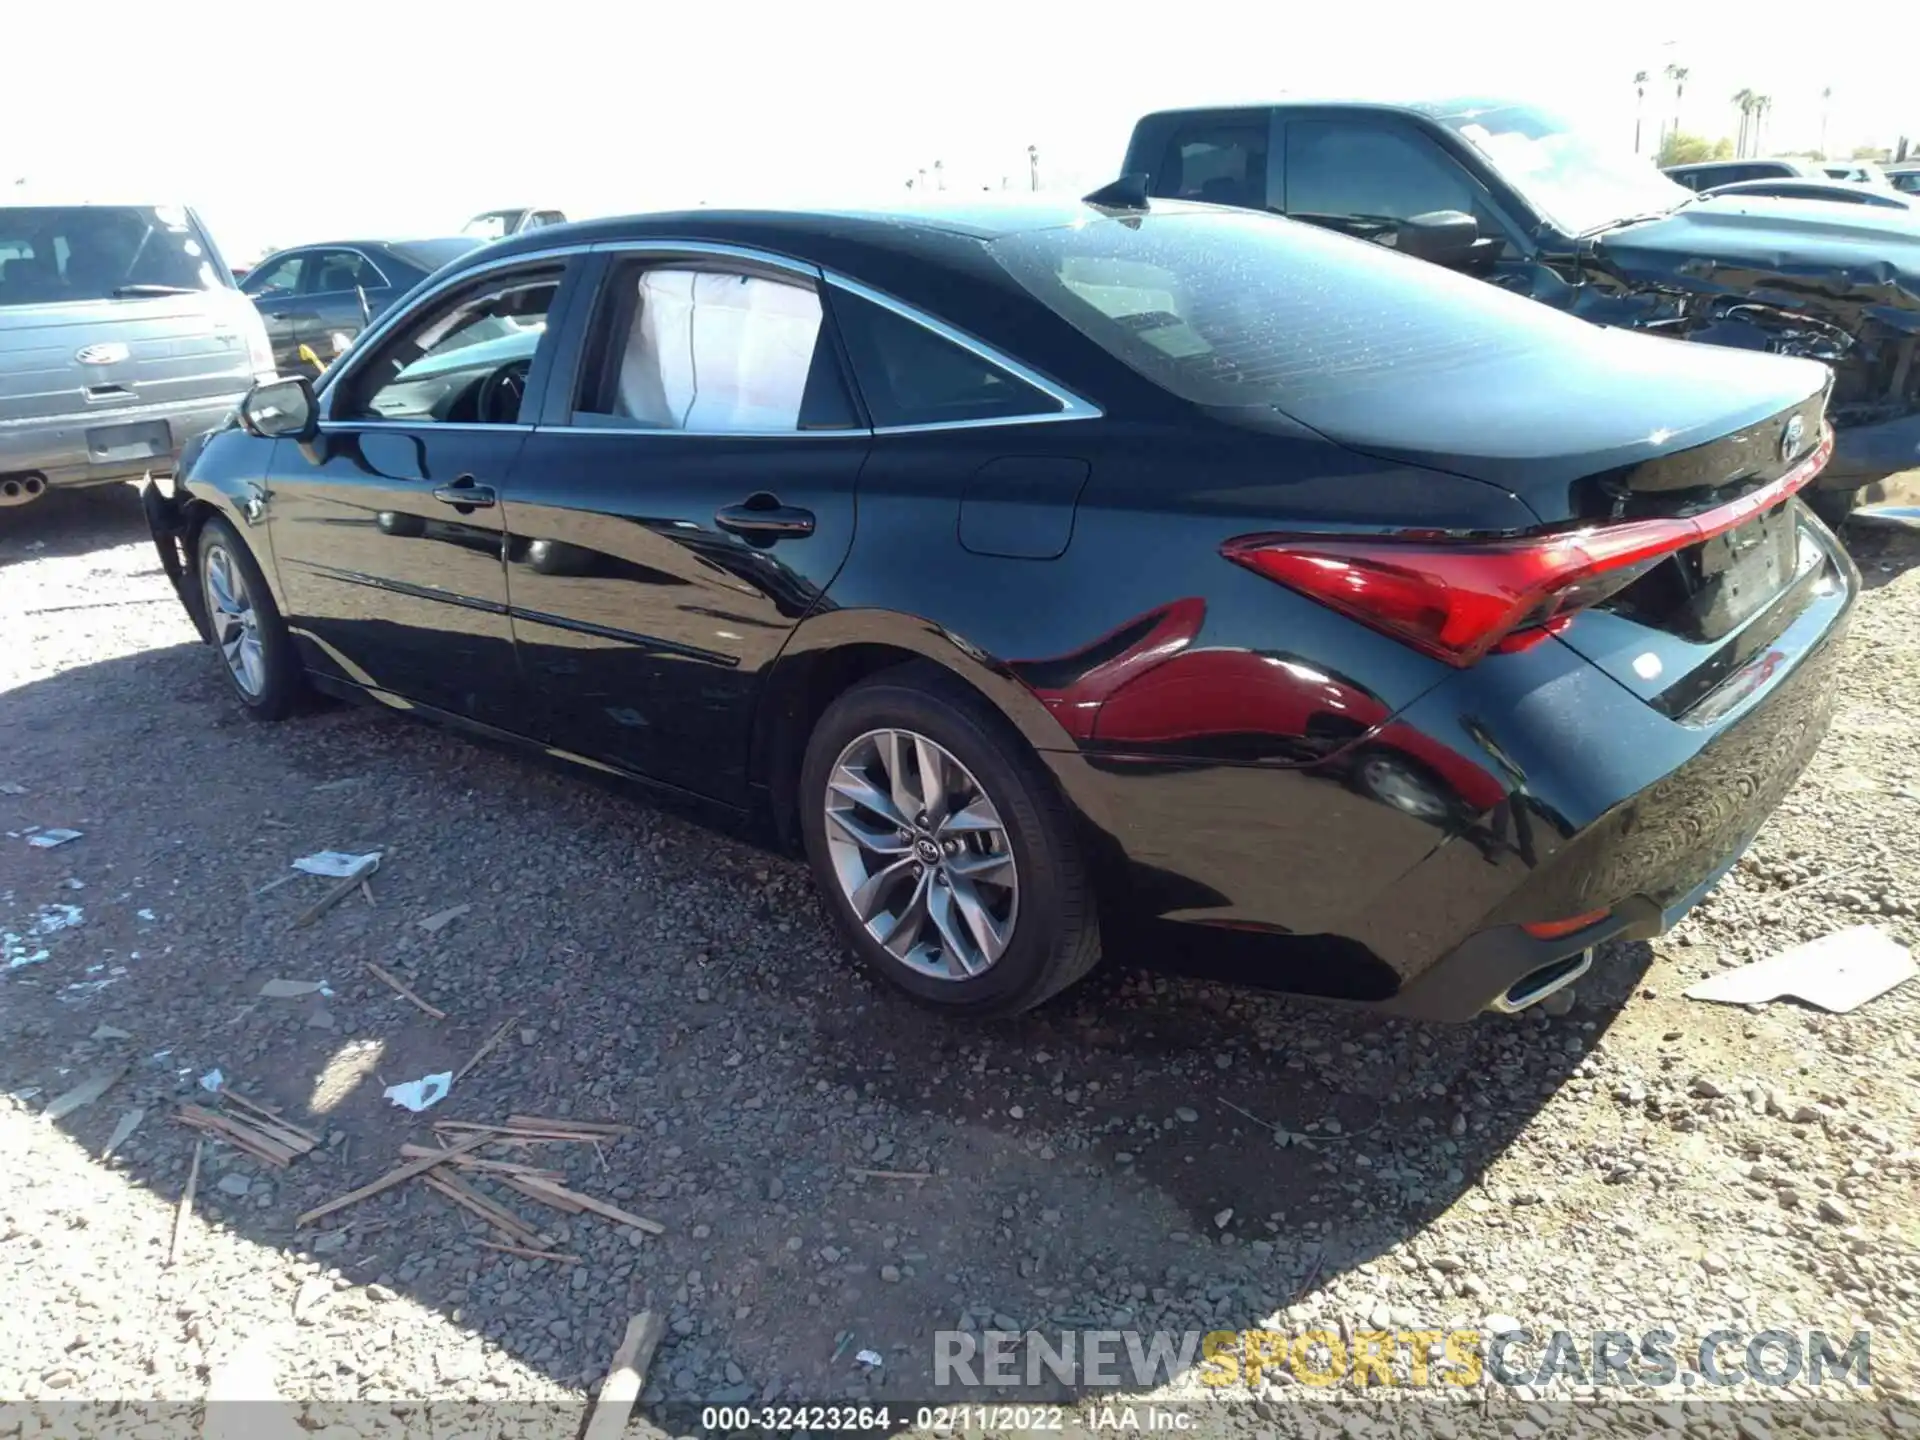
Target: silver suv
[(122, 337)]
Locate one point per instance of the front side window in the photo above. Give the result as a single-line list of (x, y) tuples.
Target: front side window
[(279, 279), (911, 375), (712, 351), (1366, 179), (464, 362), (60, 253)]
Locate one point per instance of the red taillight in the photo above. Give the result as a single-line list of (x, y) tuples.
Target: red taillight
[(1458, 599), (1554, 929)]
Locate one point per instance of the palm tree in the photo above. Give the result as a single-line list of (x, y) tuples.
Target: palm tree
[(1761, 105), (1826, 103), (1744, 99), (1678, 74), (1639, 105), (1033, 167)]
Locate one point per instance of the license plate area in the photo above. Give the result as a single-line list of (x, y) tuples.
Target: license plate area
[(1733, 576), (143, 440)]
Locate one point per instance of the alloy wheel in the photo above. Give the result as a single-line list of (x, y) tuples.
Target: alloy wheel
[(921, 854), (236, 625)]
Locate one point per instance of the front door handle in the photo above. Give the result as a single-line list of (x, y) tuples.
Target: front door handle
[(464, 495), (764, 517)]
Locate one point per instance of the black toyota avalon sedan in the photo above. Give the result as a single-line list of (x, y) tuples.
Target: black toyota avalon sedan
[(1040, 569)]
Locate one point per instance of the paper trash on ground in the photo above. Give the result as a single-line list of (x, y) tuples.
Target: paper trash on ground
[(47, 839), (870, 1358), (212, 1080), (1838, 973), (292, 989), (437, 922), (335, 864), (421, 1094)]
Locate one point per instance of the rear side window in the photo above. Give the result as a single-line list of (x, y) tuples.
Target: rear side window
[(337, 271), (712, 351), (912, 375), (1217, 164), (51, 254)]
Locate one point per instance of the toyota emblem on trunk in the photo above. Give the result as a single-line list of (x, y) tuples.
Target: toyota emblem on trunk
[(111, 353), (1790, 438)]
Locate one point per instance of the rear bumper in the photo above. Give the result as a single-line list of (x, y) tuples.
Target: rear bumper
[(71, 450), (1863, 454), (1707, 782), (1547, 790)]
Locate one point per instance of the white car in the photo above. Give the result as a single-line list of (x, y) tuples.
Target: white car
[(498, 224)]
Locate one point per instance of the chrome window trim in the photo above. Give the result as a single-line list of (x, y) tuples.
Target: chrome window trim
[(334, 427), (1072, 406), (389, 320)]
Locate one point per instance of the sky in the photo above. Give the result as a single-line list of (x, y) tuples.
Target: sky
[(405, 117)]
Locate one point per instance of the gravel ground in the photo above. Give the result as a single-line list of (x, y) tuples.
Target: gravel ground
[(1153, 1151)]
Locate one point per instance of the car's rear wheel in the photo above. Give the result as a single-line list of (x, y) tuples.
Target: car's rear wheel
[(252, 639), (943, 849)]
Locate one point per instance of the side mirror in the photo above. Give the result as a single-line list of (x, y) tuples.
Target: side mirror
[(280, 408), (1443, 237)]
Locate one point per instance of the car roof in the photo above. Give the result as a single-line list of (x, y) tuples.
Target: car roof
[(1431, 106), (389, 244), (905, 226)]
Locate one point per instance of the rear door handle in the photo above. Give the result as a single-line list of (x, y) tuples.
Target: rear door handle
[(464, 495), (763, 516)]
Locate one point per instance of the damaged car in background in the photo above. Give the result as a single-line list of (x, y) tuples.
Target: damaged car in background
[(1515, 195)]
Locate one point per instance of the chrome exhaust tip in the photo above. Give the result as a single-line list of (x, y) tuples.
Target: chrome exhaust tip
[(1536, 985), (21, 489)]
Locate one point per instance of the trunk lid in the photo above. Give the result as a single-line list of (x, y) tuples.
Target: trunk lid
[(82, 358)]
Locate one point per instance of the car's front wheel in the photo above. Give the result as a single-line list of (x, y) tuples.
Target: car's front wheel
[(943, 849), (247, 629)]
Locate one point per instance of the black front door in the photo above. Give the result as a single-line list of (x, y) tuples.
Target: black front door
[(388, 540), (388, 527)]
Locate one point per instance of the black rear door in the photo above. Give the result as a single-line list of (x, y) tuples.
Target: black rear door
[(684, 503)]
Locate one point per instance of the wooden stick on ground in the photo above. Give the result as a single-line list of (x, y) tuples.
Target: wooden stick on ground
[(475, 1162), (545, 1197), (255, 1142), (583, 1127), (498, 1216), (486, 1048), (186, 1205), (404, 993), (527, 1254), (387, 1181), (268, 1112), (895, 1174), (591, 1202), (334, 896), (626, 1377)]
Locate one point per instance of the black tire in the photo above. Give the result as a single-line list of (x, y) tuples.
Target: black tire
[(282, 682), (1833, 506), (1056, 933)]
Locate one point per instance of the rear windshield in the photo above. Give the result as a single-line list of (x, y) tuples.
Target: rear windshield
[(430, 255), (50, 254), (1229, 308)]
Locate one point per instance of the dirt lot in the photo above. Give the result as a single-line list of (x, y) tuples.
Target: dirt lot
[(1154, 1151)]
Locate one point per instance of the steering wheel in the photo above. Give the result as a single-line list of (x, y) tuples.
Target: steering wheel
[(498, 402)]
